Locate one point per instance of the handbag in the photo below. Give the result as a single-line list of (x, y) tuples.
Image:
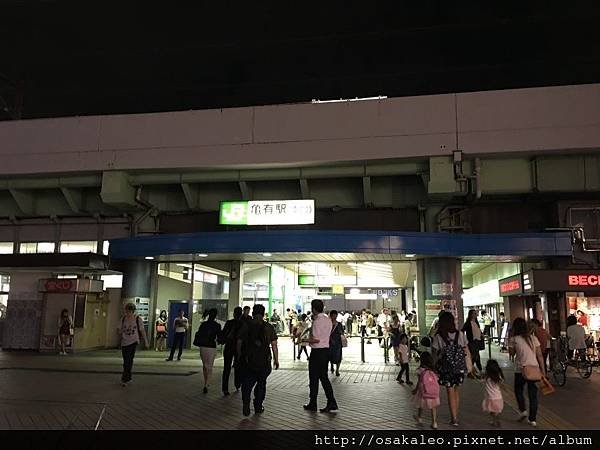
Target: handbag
[(531, 373), (161, 328), (344, 340), (546, 386)]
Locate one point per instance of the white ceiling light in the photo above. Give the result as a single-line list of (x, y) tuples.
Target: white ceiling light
[(411, 255), (202, 255), (266, 255), (149, 257)]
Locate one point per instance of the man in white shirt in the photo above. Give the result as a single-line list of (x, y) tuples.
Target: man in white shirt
[(383, 322), (319, 358)]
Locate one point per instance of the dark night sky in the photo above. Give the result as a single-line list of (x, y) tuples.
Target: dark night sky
[(94, 57)]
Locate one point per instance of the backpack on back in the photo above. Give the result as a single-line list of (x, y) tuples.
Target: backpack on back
[(430, 388), (202, 336), (258, 353), (452, 360)]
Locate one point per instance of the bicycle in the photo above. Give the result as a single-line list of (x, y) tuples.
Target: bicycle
[(558, 363)]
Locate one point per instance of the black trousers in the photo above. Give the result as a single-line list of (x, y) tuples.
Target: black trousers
[(128, 353), (317, 372), (520, 383), (379, 333), (475, 356), (404, 368), (258, 378), (230, 359), (302, 348), (178, 341)]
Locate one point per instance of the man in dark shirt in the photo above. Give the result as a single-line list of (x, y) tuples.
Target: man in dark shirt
[(229, 339), (254, 339), (246, 314)]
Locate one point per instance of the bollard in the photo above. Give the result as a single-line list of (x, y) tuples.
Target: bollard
[(386, 355), (489, 339), (295, 348), (362, 348)]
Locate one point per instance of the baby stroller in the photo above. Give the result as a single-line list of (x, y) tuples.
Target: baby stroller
[(418, 346)]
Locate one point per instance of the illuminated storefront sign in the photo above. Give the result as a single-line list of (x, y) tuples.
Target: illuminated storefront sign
[(511, 286), (274, 212), (583, 280)]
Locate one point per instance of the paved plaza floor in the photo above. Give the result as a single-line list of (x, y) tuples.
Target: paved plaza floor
[(83, 392)]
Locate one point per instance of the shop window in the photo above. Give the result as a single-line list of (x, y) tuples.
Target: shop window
[(37, 247), (4, 284), (79, 319), (6, 248), (78, 247)]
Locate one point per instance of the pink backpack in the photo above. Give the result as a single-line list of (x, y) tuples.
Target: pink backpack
[(430, 388)]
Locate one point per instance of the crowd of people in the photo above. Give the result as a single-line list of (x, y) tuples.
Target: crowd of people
[(451, 354)]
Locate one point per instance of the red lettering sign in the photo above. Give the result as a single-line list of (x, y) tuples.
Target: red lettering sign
[(64, 285), (584, 280), (513, 285)]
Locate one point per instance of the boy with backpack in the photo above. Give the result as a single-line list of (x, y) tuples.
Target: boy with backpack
[(256, 339)]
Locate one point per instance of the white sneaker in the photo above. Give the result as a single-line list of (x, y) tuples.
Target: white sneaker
[(533, 423), (522, 415)]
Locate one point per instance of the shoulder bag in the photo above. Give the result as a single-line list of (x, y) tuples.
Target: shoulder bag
[(531, 373)]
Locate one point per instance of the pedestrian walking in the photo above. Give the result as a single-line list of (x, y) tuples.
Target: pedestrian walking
[(524, 348), (450, 350), (544, 337), (493, 403), (474, 338), (319, 357), (161, 329), (131, 332), (426, 394), (254, 339), (302, 331), (206, 339), (335, 343), (395, 337), (403, 356), (180, 324), (65, 330), (228, 338)]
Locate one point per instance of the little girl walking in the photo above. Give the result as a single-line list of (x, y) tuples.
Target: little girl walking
[(492, 401), (426, 395)]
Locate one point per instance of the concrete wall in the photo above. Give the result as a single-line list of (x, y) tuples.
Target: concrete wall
[(170, 289), (522, 120)]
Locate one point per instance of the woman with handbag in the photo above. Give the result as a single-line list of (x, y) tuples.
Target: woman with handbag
[(161, 331), (525, 349), (335, 343), (65, 330), (474, 335)]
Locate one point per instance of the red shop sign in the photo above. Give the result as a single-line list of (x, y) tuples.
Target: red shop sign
[(513, 285), (58, 285), (584, 280)]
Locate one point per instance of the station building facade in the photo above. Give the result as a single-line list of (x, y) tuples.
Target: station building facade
[(420, 203)]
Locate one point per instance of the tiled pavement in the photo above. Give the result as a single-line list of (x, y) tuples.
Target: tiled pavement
[(82, 392)]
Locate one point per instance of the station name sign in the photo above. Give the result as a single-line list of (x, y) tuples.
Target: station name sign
[(273, 212)]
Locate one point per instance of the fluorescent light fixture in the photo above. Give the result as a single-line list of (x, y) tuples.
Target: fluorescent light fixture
[(410, 255), (202, 255), (266, 255), (149, 258), (354, 291), (355, 99)]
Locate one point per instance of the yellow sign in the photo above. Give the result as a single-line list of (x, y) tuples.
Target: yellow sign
[(337, 289)]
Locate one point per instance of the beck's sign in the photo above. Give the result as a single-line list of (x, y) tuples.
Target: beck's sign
[(274, 212)]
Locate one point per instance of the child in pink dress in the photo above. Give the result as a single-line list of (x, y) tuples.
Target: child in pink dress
[(493, 402), (426, 395)]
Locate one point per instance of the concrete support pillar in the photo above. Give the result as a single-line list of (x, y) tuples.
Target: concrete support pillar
[(439, 286), (236, 284), (137, 288)]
